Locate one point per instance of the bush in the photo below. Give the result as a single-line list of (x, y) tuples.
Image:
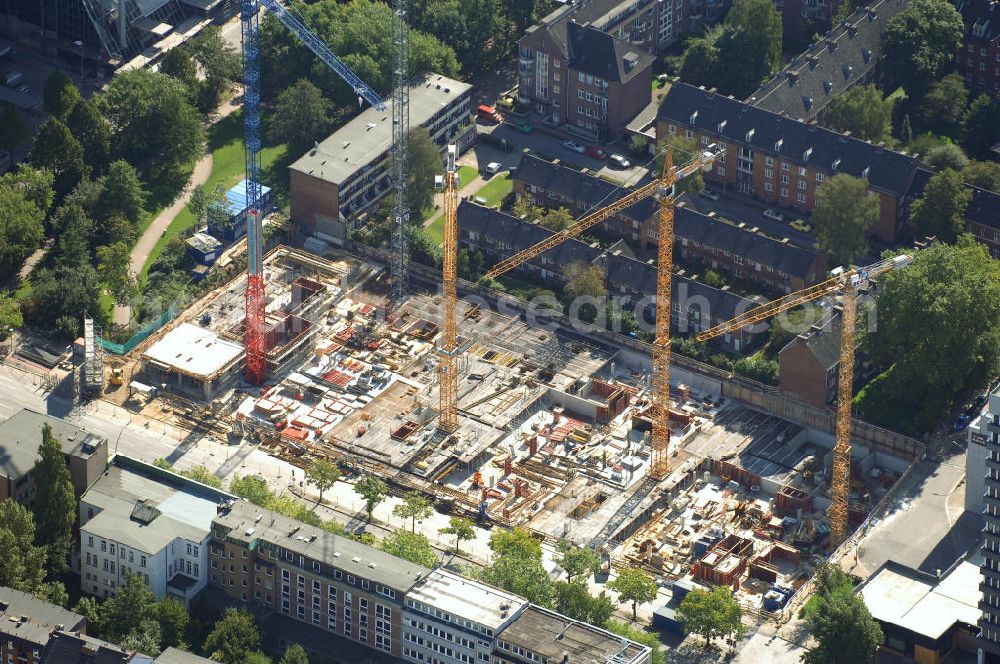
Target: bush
[(759, 369)]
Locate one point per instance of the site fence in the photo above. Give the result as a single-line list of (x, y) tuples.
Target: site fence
[(141, 335)]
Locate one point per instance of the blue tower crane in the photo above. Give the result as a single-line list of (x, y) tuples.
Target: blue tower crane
[(255, 332)]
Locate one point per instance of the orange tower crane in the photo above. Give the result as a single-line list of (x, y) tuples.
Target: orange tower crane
[(664, 188), (447, 360), (847, 283)]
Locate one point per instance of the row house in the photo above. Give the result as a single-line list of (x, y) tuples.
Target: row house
[(982, 216), (783, 161), (848, 55), (582, 78), (632, 283), (978, 56)]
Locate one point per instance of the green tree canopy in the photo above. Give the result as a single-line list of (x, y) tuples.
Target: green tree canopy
[(410, 546), (633, 585), (22, 566), (373, 490), (414, 506), (173, 618), (57, 150), (125, 612), (322, 474), (557, 220), (233, 638), (946, 156), (21, 229), (113, 264), (711, 613), (981, 126), (301, 116), (94, 133), (253, 488), (10, 315), (701, 59), (920, 42), (946, 288), (179, 64), (574, 601), (55, 504), (60, 95), (468, 27), (517, 566), (460, 528), (940, 212), (14, 131), (122, 194), (983, 174), (220, 63), (425, 162), (862, 111), (751, 36), (294, 654), (943, 106), (584, 280), (843, 215), (844, 630), (577, 561)]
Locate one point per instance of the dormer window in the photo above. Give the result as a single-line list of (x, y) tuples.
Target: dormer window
[(750, 134), (693, 118), (721, 126), (835, 164), (778, 144), (807, 154)]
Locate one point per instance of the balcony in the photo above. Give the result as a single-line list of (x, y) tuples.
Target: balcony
[(526, 58)]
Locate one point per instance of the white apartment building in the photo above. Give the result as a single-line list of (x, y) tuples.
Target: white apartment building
[(449, 619), (143, 520)]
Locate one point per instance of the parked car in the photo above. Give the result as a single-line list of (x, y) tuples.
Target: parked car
[(962, 422), (596, 153), (800, 225), (24, 88), (710, 194), (620, 161), (489, 114), (574, 146), (524, 127), (493, 168), (773, 215)]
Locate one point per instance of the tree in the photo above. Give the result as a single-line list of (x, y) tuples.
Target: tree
[(425, 162), (233, 638), (461, 528), (940, 211), (843, 214), (981, 126), (113, 262), (22, 566), (633, 585), (59, 95), (414, 506), (125, 612), (751, 36), (256, 657), (517, 566), (701, 60), (61, 296), (14, 131), (467, 27), (583, 279), (179, 64), (711, 613), (123, 193), (323, 475), (577, 561), (983, 174), (10, 315), (920, 42), (525, 208), (946, 288), (556, 220), (53, 592), (410, 546), (253, 488), (57, 150), (863, 112), (152, 120), (373, 490), (145, 638), (943, 106), (55, 504), (92, 130), (173, 618), (21, 229), (220, 63), (301, 115), (294, 654), (946, 156), (844, 631), (573, 600), (692, 185)]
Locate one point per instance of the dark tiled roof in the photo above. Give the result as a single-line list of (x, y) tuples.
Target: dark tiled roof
[(621, 269), (823, 339), (693, 225), (75, 648), (586, 190), (980, 16), (845, 56), (984, 208), (555, 22), (595, 52), (886, 170)]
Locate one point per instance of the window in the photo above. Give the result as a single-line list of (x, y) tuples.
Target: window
[(784, 166), (784, 179), (189, 549), (90, 542), (363, 603), (579, 94), (579, 76), (768, 161), (338, 575), (784, 192), (704, 140), (819, 177), (802, 198), (688, 133), (801, 184), (720, 171), (768, 173), (104, 545), (768, 187), (802, 171)]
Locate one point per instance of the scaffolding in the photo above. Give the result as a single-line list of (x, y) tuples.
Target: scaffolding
[(92, 377), (127, 27)]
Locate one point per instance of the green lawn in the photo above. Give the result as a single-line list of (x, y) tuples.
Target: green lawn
[(226, 142), (435, 230), (466, 174), (497, 189)]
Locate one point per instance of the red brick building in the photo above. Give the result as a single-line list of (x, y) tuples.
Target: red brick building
[(978, 58)]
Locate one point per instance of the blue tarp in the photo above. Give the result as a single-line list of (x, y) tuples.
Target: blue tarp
[(237, 197)]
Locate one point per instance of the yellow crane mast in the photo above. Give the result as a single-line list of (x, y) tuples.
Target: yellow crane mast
[(664, 187), (847, 282), (447, 360)]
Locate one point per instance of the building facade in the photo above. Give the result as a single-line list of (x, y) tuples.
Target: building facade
[(340, 180), (142, 520), (311, 575), (984, 437), (20, 437), (582, 78), (978, 57), (540, 635), (783, 161)]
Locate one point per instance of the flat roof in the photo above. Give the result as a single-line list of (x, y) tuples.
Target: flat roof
[(249, 523), (193, 350), (175, 656), (146, 508), (552, 635), (470, 599), (363, 139), (236, 198), (21, 436), (920, 602)]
